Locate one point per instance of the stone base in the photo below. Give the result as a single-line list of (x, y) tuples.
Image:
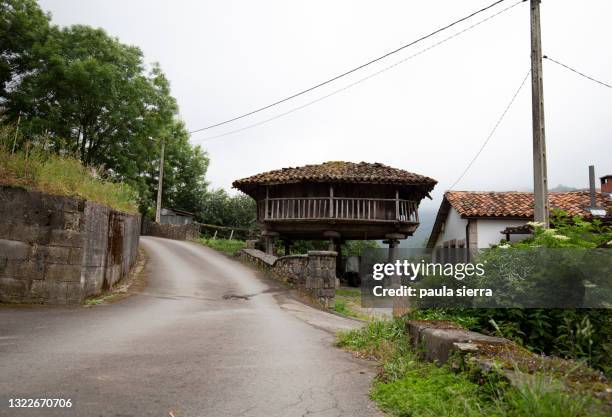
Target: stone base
[(313, 273)]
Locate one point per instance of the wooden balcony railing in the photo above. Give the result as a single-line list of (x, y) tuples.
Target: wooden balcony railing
[(339, 208)]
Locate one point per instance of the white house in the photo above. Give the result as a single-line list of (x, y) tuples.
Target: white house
[(478, 219)]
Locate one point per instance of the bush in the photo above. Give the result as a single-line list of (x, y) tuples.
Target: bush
[(570, 333)]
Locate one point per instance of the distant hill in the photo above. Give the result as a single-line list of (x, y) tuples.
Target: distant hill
[(421, 236), (563, 189)]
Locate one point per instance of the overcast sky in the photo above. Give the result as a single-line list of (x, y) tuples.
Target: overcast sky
[(429, 115)]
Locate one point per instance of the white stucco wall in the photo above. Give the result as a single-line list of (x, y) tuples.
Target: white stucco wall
[(489, 231), (454, 227)]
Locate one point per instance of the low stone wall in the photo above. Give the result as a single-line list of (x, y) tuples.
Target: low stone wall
[(438, 340), (60, 250), (171, 231), (314, 273), (291, 269)]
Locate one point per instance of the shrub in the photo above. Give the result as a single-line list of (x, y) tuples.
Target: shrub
[(570, 333)]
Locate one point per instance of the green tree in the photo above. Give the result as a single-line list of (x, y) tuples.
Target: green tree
[(219, 208), (184, 170), (23, 26), (81, 92), (91, 96)]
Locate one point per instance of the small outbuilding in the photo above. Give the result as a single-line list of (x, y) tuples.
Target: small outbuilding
[(175, 216), (337, 201)]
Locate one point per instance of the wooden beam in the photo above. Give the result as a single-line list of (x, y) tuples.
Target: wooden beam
[(267, 198), (331, 200), (397, 214)]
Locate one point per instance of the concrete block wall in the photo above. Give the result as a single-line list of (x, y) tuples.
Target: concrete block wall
[(313, 273), (60, 250)]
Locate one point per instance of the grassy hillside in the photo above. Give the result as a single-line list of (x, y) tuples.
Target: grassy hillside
[(49, 173)]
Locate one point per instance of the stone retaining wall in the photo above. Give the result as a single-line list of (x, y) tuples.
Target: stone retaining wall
[(171, 231), (60, 250), (314, 273)]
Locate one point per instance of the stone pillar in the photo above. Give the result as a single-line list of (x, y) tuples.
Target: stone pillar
[(401, 305), (321, 276), (268, 238), (333, 238)]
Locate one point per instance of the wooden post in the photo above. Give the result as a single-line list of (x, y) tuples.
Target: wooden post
[(160, 183), (231, 234), (287, 247), (397, 212), (267, 197), (17, 132), (540, 178), (339, 264), (27, 155), (331, 201)]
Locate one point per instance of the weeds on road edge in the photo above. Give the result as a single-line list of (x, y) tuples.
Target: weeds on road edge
[(408, 386)]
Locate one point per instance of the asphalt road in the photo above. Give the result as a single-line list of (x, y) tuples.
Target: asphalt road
[(208, 337)]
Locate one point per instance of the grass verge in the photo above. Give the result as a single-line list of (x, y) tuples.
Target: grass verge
[(53, 174), (407, 386), (231, 247), (347, 302)]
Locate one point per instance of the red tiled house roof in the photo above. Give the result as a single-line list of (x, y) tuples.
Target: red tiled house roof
[(511, 205), (520, 204)]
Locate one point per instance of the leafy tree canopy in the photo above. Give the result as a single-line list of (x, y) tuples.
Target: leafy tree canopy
[(78, 91)]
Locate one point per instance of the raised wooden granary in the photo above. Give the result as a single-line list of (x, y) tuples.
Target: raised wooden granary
[(337, 201)]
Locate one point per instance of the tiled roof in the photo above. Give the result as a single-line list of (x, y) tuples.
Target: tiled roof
[(338, 171), (520, 204)]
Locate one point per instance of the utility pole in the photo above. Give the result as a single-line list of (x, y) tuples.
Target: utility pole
[(159, 185), (540, 178)]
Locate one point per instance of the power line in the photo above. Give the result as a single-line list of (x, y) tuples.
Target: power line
[(293, 110), (503, 115), (351, 70), (577, 72)]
